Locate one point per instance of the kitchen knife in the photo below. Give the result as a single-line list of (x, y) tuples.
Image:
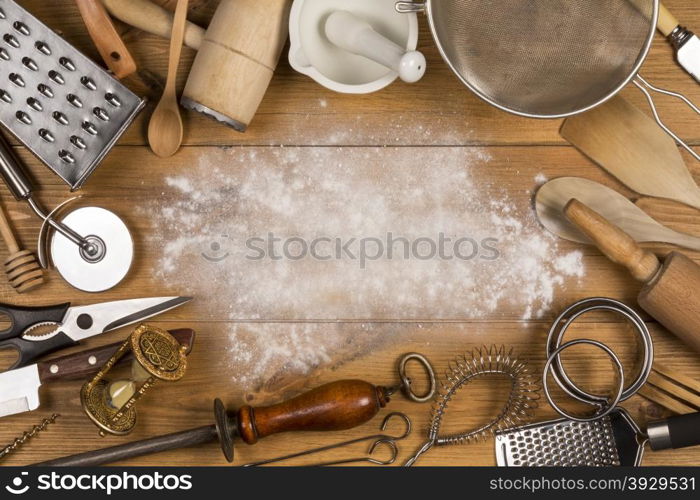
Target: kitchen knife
[(684, 41), (19, 388)]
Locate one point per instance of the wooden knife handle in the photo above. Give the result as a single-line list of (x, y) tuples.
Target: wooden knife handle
[(332, 407), (88, 362), (106, 38), (617, 245)]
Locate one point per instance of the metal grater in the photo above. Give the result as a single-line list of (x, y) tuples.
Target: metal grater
[(611, 440), (67, 110)]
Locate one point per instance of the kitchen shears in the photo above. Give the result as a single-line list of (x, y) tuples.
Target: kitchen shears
[(72, 324)]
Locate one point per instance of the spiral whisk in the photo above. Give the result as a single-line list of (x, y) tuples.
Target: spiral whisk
[(481, 362), (26, 436)]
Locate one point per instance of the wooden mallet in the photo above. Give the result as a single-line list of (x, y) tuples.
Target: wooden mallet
[(22, 267), (670, 292)]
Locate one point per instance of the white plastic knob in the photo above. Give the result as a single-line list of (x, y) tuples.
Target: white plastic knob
[(357, 36)]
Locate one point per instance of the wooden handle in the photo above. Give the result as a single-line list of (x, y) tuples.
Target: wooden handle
[(667, 21), (617, 245), (152, 18), (178, 34), (88, 362), (7, 234), (331, 407), (108, 42), (238, 56)]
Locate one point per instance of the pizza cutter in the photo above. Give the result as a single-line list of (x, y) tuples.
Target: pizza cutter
[(91, 247)]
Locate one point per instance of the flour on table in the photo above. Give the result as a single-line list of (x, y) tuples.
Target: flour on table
[(223, 225)]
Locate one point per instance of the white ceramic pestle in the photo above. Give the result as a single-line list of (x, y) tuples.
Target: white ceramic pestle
[(354, 35)]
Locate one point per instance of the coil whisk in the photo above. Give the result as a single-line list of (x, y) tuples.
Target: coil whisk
[(481, 362), (27, 435)]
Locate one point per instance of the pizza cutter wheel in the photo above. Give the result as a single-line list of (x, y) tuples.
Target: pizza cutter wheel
[(104, 257), (91, 247)]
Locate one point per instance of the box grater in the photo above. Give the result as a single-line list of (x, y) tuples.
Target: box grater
[(66, 109), (611, 440)]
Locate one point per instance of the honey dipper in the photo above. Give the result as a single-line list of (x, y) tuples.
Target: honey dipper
[(22, 267)]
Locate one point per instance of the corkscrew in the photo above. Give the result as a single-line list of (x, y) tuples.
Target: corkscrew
[(26, 436)]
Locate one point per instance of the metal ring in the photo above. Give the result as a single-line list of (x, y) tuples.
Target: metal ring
[(567, 318), (603, 411), (406, 381)]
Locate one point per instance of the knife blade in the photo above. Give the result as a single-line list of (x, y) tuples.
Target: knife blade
[(19, 388), (689, 56), (683, 40)]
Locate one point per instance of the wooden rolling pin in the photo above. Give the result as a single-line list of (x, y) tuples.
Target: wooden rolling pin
[(670, 292), (152, 18), (235, 63)]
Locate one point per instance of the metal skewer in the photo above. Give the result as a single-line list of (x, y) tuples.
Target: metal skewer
[(378, 439)]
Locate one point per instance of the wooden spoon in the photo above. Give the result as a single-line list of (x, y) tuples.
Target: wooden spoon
[(165, 127), (631, 146), (553, 196)]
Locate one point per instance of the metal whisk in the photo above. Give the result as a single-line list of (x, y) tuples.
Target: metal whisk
[(481, 362)]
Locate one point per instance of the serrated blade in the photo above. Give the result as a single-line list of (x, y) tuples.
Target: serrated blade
[(19, 390)]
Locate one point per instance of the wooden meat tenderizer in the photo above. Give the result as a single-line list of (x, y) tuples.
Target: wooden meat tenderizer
[(22, 267), (236, 60), (670, 293)]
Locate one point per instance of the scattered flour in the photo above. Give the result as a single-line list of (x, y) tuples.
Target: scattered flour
[(207, 217)]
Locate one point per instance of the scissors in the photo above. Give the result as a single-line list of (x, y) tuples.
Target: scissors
[(73, 324)]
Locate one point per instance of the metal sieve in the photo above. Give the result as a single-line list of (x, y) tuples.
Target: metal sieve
[(542, 58), (547, 58)]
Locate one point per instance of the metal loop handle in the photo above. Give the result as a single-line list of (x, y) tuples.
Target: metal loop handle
[(604, 410), (409, 7), (568, 317), (379, 439), (406, 381), (646, 87)]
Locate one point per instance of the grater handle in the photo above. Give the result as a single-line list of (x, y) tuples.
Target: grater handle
[(675, 432), (13, 173)]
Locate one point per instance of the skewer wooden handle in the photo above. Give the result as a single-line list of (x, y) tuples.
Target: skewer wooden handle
[(152, 18), (108, 42), (617, 245), (332, 407), (667, 21)]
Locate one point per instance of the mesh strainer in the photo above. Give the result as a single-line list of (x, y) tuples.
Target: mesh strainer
[(546, 58), (542, 58)]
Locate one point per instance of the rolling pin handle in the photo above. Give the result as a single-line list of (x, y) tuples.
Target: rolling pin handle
[(617, 245)]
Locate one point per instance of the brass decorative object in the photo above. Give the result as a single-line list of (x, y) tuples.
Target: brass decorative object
[(157, 356)]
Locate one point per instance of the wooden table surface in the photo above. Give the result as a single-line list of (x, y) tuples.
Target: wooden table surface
[(519, 148)]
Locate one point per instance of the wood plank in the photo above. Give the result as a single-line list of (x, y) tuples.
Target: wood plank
[(279, 355), (132, 186), (187, 403), (437, 110)]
